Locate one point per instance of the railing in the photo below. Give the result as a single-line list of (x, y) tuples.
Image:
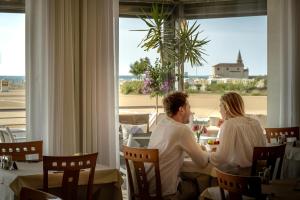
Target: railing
[(153, 115), (16, 126), (19, 129)]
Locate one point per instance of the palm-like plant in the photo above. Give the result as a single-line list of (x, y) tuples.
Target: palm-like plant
[(156, 32), (184, 47), (190, 49)]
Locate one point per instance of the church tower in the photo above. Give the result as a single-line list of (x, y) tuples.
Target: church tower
[(239, 58)]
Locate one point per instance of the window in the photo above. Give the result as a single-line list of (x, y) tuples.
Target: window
[(232, 42), (12, 72), (131, 97)]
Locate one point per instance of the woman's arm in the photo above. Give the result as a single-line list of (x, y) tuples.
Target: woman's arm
[(226, 147)]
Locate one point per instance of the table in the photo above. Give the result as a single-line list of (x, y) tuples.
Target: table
[(31, 175), (291, 162)]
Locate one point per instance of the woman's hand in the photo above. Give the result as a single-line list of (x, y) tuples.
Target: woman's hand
[(220, 122)]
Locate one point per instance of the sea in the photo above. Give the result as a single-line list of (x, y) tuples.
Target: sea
[(121, 77), (130, 77), (13, 79)]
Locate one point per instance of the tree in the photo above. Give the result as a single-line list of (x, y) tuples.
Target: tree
[(139, 67)]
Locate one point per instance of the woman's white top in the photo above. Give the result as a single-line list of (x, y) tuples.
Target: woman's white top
[(238, 136)]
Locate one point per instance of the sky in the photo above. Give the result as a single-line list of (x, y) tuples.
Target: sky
[(12, 44), (227, 36)]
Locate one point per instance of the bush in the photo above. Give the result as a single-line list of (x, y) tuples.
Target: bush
[(249, 88), (192, 91), (132, 87)]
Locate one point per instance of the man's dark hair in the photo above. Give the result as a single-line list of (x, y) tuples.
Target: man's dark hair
[(173, 102)]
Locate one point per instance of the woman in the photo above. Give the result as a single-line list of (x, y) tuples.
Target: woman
[(238, 134)]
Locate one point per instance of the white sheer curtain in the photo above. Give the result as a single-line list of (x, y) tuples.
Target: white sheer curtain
[(71, 70), (283, 63), (99, 88)]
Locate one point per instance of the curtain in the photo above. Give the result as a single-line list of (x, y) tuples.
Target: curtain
[(99, 88), (71, 76), (283, 63)]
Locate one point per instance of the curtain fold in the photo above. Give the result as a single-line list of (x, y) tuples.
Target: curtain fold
[(73, 105), (283, 63)]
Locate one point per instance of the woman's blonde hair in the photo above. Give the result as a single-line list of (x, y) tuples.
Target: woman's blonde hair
[(233, 104)]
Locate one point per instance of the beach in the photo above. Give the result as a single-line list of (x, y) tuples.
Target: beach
[(203, 105), (12, 105)]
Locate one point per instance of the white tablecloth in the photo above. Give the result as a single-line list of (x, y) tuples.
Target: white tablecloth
[(291, 162), (31, 175)]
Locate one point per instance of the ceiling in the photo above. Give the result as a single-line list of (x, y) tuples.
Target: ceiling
[(190, 9), (14, 6)]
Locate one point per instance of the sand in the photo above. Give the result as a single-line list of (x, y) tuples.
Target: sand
[(203, 105)]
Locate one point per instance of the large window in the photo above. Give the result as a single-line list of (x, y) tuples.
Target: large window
[(12, 71), (235, 60), (131, 97)]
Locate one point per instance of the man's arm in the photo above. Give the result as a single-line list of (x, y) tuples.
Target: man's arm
[(192, 148)]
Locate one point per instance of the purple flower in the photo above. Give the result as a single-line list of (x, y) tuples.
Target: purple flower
[(165, 86)]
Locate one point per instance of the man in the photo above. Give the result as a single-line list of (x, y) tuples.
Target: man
[(173, 138)]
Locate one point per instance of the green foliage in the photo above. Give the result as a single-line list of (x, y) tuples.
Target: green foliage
[(139, 67), (191, 91), (198, 86), (249, 88), (186, 85), (156, 82), (155, 29), (180, 42), (132, 87), (190, 47)]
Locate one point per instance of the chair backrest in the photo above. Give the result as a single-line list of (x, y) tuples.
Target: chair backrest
[(237, 186), (71, 167), (19, 150), (129, 124), (277, 132), (135, 119), (270, 155), (33, 194), (6, 135), (135, 159)]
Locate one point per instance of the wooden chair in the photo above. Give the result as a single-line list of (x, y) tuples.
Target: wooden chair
[(270, 155), (33, 194), (277, 132), (71, 167), (19, 150), (238, 186), (135, 158)]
